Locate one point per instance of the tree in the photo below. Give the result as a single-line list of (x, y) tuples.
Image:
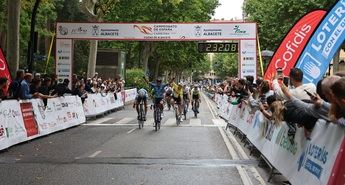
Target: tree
[(225, 64), (13, 20)]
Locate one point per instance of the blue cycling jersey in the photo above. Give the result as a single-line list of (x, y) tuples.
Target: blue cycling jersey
[(158, 90)]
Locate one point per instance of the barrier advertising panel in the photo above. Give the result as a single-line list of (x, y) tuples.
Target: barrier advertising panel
[(306, 161)]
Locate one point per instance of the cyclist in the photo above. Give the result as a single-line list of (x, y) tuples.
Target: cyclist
[(158, 91), (168, 95), (178, 97), (186, 99), (141, 96), (196, 97)]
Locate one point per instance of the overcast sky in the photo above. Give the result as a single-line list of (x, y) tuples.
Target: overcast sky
[(229, 9)]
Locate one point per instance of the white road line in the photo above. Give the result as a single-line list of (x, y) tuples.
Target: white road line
[(242, 172), (124, 121), (195, 122), (243, 156), (95, 154), (170, 122), (149, 121), (130, 131), (219, 122), (99, 121)]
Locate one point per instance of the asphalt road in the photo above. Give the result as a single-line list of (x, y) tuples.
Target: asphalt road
[(112, 150)]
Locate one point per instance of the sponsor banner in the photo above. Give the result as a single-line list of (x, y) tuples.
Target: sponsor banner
[(157, 31), (4, 70), (130, 95), (248, 60), (293, 44), (22, 121), (64, 59), (304, 161), (338, 172), (324, 43), (29, 119), (96, 104)]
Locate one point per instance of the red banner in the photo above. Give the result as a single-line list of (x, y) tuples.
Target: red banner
[(338, 171), (4, 70), (29, 119), (293, 44)]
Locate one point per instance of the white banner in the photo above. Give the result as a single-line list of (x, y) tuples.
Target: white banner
[(60, 113), (248, 59), (157, 31), (96, 104), (130, 95), (64, 59), (304, 161)]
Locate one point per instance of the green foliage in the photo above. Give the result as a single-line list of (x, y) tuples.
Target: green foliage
[(225, 64), (134, 78), (275, 18)]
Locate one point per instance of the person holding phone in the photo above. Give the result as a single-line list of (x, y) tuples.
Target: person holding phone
[(296, 85)]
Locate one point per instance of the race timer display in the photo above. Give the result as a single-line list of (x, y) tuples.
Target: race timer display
[(217, 47)]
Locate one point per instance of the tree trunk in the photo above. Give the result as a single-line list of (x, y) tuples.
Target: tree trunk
[(146, 51), (91, 67), (157, 68), (13, 21)]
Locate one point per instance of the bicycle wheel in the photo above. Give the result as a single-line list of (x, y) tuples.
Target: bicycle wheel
[(156, 117), (140, 120)]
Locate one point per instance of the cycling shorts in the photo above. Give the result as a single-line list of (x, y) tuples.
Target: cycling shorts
[(178, 100), (138, 99), (196, 96), (157, 100)]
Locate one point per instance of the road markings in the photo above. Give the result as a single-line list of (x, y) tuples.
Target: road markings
[(99, 121), (242, 172), (95, 154), (124, 121), (130, 131), (243, 154), (170, 122), (219, 122), (195, 122)]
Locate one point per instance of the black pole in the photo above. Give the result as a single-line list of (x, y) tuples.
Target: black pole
[(32, 37)]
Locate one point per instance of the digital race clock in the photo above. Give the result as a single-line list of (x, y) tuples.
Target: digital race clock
[(218, 47)]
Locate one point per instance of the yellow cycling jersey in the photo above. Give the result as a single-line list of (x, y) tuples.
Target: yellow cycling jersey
[(178, 93)]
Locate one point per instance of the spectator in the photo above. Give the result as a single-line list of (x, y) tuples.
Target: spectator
[(88, 85), (337, 112), (94, 87), (80, 91), (37, 76), (3, 83), (15, 86), (74, 81), (25, 88), (46, 87), (35, 85), (297, 86), (264, 92), (326, 85), (62, 88), (290, 113)]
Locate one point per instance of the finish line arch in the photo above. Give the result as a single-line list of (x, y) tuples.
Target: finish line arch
[(245, 32)]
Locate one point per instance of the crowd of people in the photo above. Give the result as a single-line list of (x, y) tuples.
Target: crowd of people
[(27, 86), (296, 103)]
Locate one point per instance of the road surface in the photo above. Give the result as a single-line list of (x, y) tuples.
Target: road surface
[(112, 150)]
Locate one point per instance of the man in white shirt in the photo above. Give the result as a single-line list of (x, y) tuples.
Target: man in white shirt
[(297, 88)]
